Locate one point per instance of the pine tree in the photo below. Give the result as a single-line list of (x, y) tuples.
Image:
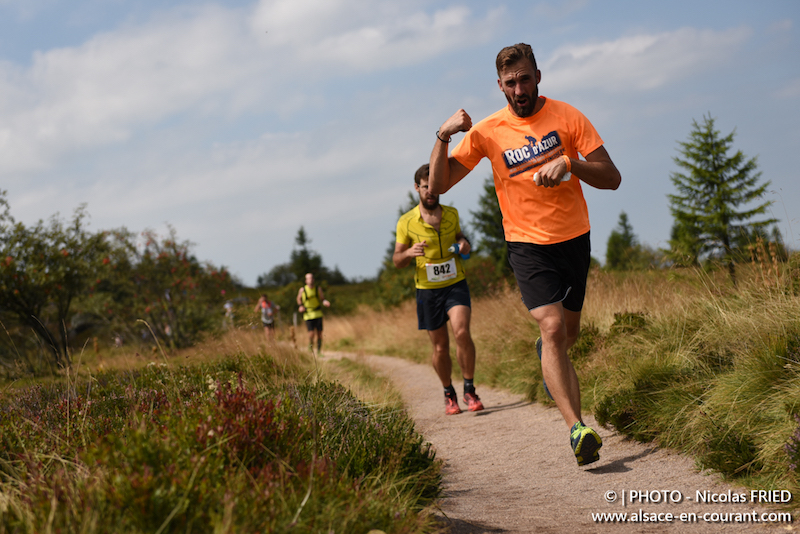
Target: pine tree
[(715, 196), (488, 222), (304, 260), (622, 249)]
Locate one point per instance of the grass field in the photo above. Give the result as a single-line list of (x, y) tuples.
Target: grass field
[(681, 358), (230, 436), (237, 435)]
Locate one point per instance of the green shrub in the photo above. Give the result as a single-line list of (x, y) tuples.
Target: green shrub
[(227, 446)]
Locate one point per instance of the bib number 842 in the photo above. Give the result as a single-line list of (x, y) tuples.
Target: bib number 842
[(440, 270)]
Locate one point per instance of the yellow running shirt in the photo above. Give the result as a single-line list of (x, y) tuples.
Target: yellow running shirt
[(311, 302), (517, 148), (438, 267)]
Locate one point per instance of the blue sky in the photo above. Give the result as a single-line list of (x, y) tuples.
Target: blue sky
[(237, 122)]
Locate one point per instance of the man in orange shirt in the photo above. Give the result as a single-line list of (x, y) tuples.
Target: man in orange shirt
[(533, 145)]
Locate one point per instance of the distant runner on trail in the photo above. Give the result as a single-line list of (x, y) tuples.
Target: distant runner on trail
[(310, 301), (268, 310), (425, 234), (533, 143)]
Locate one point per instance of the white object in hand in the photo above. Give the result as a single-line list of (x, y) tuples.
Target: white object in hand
[(456, 249), (566, 178)]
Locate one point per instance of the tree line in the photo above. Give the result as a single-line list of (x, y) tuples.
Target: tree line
[(61, 284)]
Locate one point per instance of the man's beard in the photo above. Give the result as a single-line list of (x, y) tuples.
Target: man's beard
[(527, 109), (432, 205)]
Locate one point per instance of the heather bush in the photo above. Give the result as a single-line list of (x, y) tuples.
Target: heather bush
[(235, 446)]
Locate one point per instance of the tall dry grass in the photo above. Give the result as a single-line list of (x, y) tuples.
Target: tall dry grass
[(681, 357), (504, 332)]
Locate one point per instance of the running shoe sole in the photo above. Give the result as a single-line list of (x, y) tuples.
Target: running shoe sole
[(585, 444), (539, 352)]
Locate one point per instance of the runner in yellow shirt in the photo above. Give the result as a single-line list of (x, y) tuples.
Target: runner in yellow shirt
[(426, 234), (310, 301)]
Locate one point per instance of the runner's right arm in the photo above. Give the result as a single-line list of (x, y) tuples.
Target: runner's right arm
[(445, 172), (403, 253)]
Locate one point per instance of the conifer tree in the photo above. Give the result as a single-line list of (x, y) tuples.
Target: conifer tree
[(488, 222), (622, 249), (716, 200)]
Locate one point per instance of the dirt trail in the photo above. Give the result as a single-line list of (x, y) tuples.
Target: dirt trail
[(510, 469)]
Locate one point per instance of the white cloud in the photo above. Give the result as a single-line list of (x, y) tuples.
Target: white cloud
[(205, 60), (781, 26), (367, 35), (790, 90), (641, 62), (98, 93), (26, 9)]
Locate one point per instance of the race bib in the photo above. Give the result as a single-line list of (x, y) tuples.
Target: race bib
[(439, 272)]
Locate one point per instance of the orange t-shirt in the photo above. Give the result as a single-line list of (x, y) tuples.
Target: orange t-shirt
[(517, 148)]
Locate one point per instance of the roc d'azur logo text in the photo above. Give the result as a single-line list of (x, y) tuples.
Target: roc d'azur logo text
[(518, 159)]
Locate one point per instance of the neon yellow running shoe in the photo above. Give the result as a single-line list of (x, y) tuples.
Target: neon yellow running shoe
[(585, 443)]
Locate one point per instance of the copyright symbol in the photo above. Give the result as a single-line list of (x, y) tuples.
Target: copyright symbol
[(611, 496)]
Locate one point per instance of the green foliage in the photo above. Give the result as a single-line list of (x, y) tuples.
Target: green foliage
[(714, 200), (345, 299), (588, 341), (710, 372), (157, 280), (685, 247), (794, 272), (44, 269), (488, 222), (224, 447), (792, 448), (627, 323), (393, 285), (723, 388), (302, 260), (624, 252), (63, 283)]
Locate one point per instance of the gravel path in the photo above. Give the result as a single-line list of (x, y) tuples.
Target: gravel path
[(510, 469)]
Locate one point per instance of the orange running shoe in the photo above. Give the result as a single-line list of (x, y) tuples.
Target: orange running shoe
[(451, 406), (474, 403)]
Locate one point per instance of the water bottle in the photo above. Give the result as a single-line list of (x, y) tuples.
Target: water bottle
[(565, 178), (454, 249)]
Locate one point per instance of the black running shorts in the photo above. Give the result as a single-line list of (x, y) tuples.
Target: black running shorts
[(433, 304), (547, 274), (314, 324)]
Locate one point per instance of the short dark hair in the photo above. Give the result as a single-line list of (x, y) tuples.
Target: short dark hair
[(422, 174), (511, 54)]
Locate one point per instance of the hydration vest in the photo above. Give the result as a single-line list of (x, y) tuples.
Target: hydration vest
[(312, 303)]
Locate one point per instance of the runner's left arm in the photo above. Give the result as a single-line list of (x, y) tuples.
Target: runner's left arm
[(322, 298), (463, 245), (597, 170)]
